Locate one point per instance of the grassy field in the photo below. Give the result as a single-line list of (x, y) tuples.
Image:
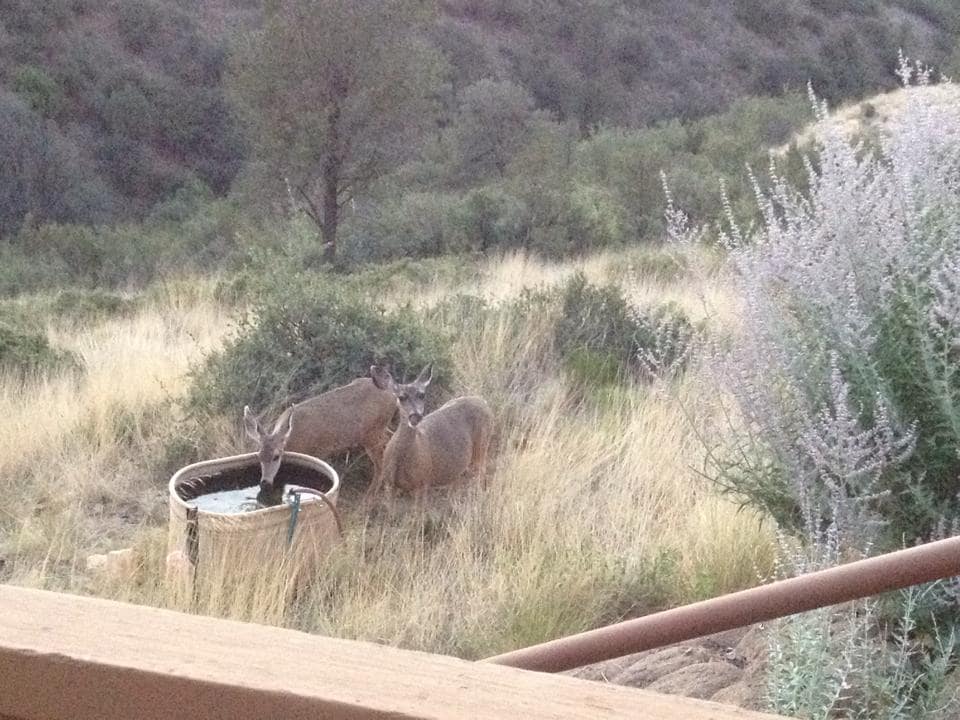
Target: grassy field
[(594, 509)]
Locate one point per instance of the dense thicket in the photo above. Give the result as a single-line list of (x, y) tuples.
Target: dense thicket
[(549, 123), (107, 108)]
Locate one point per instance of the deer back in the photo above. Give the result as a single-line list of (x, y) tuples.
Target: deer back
[(340, 419)]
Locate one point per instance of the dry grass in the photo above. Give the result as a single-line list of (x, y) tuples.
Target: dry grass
[(877, 115), (77, 465), (594, 510)]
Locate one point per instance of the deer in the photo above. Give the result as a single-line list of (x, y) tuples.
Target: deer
[(436, 449), (354, 415)]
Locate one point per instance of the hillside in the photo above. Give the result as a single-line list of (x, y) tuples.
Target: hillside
[(109, 107), (631, 63)]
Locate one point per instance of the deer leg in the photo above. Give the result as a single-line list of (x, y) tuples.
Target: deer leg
[(420, 499), (373, 489), (374, 448), (478, 462)]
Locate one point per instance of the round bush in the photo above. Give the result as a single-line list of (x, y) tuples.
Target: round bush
[(25, 351), (304, 338)]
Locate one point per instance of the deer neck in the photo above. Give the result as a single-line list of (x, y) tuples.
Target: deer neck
[(406, 435), (399, 452)]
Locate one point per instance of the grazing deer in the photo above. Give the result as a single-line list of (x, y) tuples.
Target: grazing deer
[(351, 416), (436, 449)]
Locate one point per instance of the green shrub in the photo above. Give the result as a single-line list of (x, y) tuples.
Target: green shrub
[(596, 319), (601, 337), (418, 224), (25, 350), (40, 91), (770, 19), (493, 217), (86, 306), (647, 263), (139, 24), (304, 337)]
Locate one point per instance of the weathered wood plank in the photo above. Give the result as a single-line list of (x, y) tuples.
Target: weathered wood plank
[(75, 658)]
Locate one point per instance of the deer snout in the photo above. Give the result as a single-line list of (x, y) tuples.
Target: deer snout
[(268, 473), (414, 419)]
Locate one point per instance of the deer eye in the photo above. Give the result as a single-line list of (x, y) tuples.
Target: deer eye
[(402, 396), (276, 457), (421, 394)]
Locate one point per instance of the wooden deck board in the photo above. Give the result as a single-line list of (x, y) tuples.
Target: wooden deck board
[(76, 658)]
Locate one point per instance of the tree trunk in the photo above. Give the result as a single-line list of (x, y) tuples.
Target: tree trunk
[(331, 210), (331, 186)]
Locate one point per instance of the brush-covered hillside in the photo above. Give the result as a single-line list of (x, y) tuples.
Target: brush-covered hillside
[(709, 365), (633, 63), (108, 108)]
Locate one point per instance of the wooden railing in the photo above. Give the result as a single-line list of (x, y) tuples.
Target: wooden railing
[(853, 581), (64, 657)]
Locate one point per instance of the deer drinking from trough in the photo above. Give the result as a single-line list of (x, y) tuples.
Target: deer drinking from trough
[(426, 451), (351, 416)]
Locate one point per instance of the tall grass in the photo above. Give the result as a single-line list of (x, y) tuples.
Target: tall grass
[(593, 509), (82, 455)]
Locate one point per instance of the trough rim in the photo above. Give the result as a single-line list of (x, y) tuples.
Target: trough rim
[(235, 461)]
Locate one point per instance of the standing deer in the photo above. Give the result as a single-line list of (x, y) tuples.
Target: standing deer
[(436, 449), (350, 416)]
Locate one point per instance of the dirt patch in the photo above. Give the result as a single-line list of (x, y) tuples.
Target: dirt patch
[(728, 667)]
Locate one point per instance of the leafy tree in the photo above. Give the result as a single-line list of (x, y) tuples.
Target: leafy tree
[(336, 93), (493, 123), (44, 173)]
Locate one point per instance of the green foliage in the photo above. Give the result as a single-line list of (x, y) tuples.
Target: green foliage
[(183, 235), (40, 91), (52, 181), (596, 319), (917, 369), (336, 93), (304, 336), (411, 225), (844, 662), (124, 106), (139, 24), (944, 13), (765, 18), (602, 338), (89, 306), (493, 217), (647, 262), (494, 122), (25, 349)]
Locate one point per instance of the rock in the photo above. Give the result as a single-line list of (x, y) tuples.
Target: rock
[(701, 681), (753, 646), (179, 571), (727, 667), (96, 562), (605, 671), (656, 664), (122, 564), (117, 565), (749, 692), (724, 640)]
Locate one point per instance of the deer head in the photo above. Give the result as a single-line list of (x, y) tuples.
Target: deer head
[(270, 445), (410, 397)]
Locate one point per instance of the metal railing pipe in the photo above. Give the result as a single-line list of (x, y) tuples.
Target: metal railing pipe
[(852, 581)]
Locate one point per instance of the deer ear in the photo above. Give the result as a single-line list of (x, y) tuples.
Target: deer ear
[(426, 375), (251, 424), (285, 426), (381, 377)]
